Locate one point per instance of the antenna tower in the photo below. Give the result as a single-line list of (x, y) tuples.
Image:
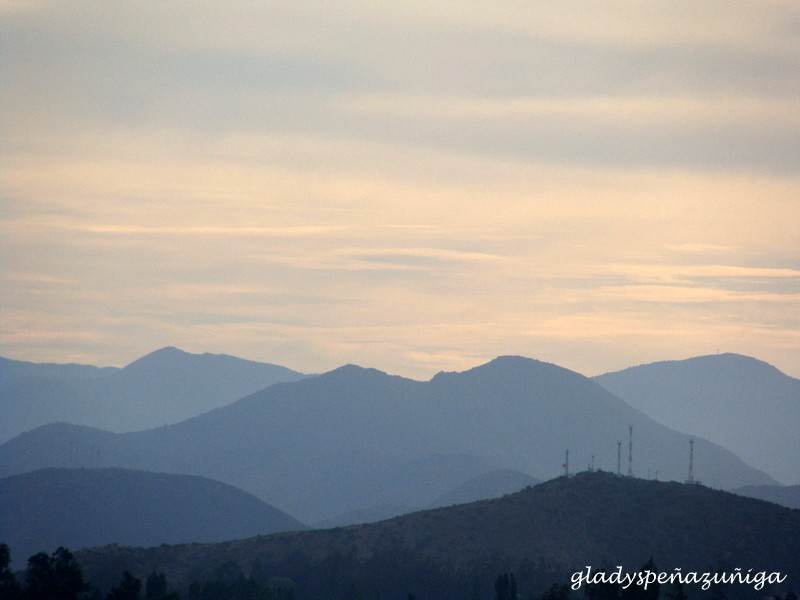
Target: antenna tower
[(566, 464), (691, 461), (630, 450), (619, 457)]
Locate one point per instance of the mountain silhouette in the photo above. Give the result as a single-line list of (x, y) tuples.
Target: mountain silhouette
[(788, 496), (79, 508), (355, 438), (741, 403), (166, 386), (562, 525), (491, 484)]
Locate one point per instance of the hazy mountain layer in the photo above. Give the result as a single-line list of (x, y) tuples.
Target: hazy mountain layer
[(354, 438), (491, 484), (166, 386), (562, 525), (79, 508), (788, 496), (741, 403)]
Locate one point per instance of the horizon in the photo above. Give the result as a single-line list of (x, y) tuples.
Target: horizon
[(420, 379), (417, 188)]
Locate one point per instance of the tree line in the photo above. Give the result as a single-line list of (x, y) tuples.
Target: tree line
[(58, 576)]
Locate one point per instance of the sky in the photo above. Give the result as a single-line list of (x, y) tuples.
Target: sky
[(410, 186)]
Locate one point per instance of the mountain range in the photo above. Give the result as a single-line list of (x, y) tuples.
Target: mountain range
[(543, 534), (166, 386), (739, 402), (79, 508), (355, 438)]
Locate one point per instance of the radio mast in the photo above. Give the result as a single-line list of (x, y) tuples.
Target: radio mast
[(630, 450)]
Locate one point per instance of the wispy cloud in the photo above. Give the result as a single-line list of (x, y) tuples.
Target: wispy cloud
[(208, 230), (671, 294)]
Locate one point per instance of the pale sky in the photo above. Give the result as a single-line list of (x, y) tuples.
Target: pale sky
[(411, 186)]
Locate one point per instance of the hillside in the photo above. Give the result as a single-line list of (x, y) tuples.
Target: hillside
[(788, 496), (355, 438), (79, 508), (166, 386), (546, 531), (743, 404)]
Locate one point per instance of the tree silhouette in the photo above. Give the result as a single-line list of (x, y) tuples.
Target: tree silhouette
[(9, 588), (637, 592), (194, 590), (128, 589), (54, 577), (501, 587), (556, 592), (601, 591), (156, 586), (505, 587), (676, 592)]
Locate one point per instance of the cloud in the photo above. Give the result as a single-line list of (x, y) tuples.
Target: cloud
[(400, 184), (672, 294), (527, 84)]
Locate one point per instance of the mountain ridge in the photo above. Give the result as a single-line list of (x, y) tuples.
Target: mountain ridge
[(560, 525), (358, 437), (788, 496), (164, 386), (737, 401), (79, 508)]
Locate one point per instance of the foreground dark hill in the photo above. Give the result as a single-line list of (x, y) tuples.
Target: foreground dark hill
[(784, 495), (79, 508), (743, 404), (546, 531), (355, 438), (166, 386)]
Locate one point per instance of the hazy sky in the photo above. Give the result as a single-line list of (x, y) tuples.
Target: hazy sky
[(413, 186)]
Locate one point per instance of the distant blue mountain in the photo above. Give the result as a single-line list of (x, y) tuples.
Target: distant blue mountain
[(741, 403), (491, 484), (80, 508), (788, 495), (355, 438), (166, 386)]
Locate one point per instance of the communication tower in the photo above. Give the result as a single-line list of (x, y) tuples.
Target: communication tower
[(630, 450)]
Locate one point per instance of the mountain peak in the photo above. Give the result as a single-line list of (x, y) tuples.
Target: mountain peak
[(168, 354), (735, 361), (734, 400), (732, 362), (351, 371), (507, 367)]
